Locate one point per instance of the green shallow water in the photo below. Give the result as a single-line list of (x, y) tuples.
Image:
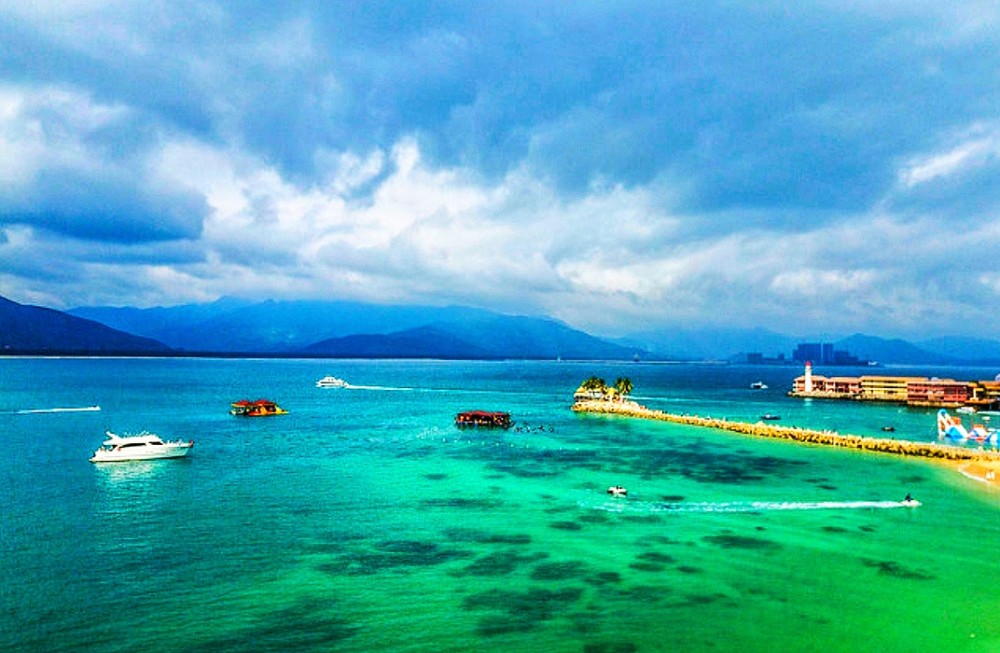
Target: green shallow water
[(364, 520)]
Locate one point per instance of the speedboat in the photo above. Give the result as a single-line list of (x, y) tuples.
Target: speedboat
[(909, 502), (617, 491), (770, 417), (331, 382), (144, 446), (758, 385)]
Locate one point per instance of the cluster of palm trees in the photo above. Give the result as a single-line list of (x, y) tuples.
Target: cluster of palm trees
[(595, 385)]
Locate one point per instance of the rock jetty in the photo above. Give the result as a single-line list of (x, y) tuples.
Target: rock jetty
[(809, 436)]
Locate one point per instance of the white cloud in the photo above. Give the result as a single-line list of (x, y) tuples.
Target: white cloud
[(46, 127), (978, 146), (810, 282)]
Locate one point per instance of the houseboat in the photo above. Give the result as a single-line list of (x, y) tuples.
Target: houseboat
[(482, 418), (259, 408)]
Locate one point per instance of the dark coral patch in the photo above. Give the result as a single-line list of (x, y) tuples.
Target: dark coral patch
[(834, 529), (566, 526), (435, 476), (499, 563), (653, 556), (687, 569), (519, 611), (896, 570), (604, 578), (305, 625), (391, 554), (486, 537), (610, 647), (464, 503), (647, 566), (730, 541), (554, 571)]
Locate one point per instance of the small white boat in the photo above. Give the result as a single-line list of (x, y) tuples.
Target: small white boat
[(617, 491), (144, 446), (758, 385), (331, 382)]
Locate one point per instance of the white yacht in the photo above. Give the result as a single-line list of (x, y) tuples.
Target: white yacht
[(331, 382), (144, 446)]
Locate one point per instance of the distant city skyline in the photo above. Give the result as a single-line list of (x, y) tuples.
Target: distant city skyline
[(816, 168)]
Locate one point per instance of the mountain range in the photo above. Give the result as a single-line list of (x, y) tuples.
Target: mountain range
[(36, 330), (339, 329), (356, 330)]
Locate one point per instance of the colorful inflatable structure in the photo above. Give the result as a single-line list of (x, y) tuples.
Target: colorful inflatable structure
[(950, 427)]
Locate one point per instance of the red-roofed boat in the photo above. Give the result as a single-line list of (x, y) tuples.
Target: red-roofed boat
[(259, 408), (483, 418)]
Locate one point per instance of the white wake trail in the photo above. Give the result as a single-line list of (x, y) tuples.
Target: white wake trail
[(36, 411), (632, 506), (766, 506)]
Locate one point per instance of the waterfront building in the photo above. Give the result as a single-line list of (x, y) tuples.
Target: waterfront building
[(827, 387), (938, 392), (909, 390), (886, 388)]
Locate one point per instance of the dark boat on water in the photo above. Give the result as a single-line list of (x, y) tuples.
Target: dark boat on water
[(483, 418)]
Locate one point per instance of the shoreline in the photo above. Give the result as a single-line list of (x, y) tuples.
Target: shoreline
[(983, 466)]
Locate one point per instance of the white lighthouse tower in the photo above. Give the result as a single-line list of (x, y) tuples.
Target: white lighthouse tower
[(809, 377)]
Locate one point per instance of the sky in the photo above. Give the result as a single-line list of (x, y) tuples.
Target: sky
[(821, 166)]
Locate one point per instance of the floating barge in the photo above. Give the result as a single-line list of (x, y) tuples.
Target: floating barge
[(483, 419), (259, 408)]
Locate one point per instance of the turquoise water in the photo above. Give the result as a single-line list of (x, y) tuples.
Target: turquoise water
[(363, 520)]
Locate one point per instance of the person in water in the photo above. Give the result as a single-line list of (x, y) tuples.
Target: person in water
[(907, 498)]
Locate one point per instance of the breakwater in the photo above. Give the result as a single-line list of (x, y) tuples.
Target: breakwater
[(797, 434)]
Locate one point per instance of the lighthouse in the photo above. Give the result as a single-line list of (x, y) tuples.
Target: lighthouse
[(809, 377)]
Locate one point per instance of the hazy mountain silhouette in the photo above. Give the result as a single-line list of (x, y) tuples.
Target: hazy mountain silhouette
[(36, 330)]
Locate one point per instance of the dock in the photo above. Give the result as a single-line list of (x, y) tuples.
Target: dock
[(809, 436)]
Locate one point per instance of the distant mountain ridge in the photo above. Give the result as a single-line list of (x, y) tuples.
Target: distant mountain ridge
[(354, 329), (722, 344), (26, 329), (232, 326)]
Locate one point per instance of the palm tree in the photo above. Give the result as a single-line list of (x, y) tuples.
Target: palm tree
[(623, 385), (592, 388)]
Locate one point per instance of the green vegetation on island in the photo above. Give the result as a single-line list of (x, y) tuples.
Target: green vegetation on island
[(595, 388)]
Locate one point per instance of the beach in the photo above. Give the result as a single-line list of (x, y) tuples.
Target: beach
[(985, 471)]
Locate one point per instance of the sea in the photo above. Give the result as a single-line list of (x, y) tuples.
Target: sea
[(364, 520)]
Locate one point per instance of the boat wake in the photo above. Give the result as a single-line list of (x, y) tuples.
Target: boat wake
[(37, 411), (766, 506), (750, 506), (383, 388)]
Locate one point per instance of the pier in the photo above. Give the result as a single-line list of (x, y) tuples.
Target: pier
[(797, 434)]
